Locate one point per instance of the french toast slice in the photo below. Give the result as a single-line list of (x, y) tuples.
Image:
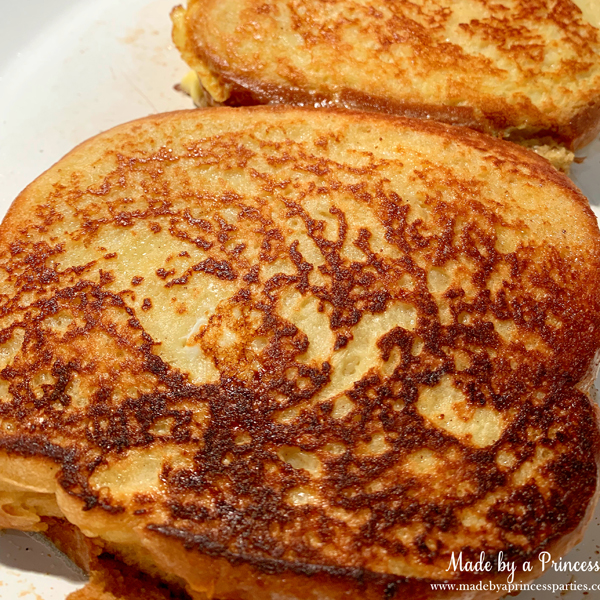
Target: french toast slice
[(297, 354), (528, 71)]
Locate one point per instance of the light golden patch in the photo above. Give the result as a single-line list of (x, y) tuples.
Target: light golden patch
[(342, 407), (423, 462), (302, 495), (445, 406), (299, 459)]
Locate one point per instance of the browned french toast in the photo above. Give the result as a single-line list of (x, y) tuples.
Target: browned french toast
[(294, 354), (524, 70)]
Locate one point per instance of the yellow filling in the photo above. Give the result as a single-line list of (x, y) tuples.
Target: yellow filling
[(191, 85)]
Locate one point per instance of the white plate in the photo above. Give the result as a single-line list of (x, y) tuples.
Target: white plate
[(72, 68)]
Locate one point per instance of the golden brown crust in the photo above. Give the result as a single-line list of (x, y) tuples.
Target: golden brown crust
[(519, 70), (336, 277)]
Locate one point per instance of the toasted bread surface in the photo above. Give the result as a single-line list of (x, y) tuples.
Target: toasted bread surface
[(518, 69), (286, 353)]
